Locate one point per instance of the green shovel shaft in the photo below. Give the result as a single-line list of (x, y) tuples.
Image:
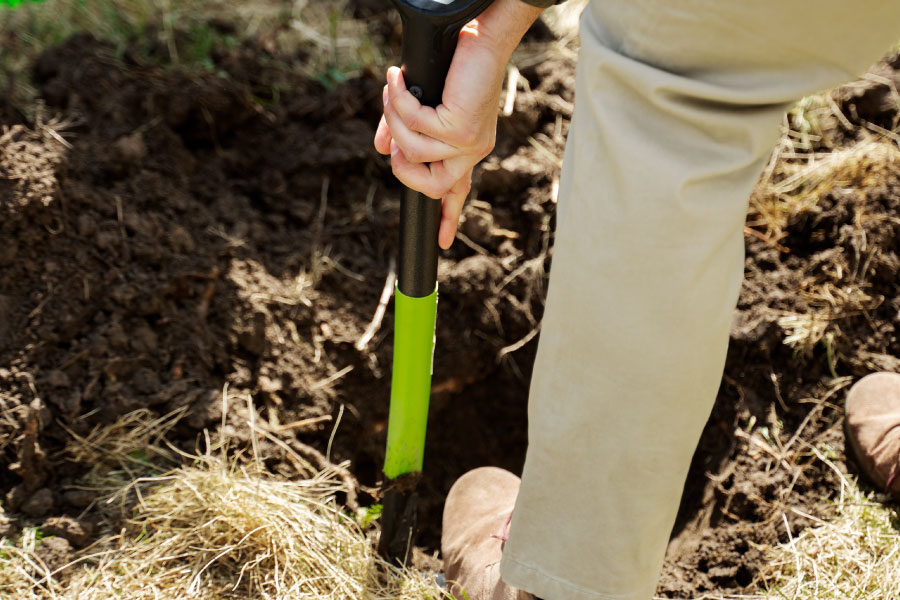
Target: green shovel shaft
[(414, 320)]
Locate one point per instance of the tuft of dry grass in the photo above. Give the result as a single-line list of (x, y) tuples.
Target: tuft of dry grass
[(828, 305), (796, 180), (854, 555), (212, 529), (29, 159), (822, 154)]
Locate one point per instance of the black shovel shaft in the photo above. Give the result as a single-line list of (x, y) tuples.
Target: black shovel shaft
[(430, 31)]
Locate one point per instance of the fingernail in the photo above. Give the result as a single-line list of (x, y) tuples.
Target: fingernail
[(385, 97), (394, 148)]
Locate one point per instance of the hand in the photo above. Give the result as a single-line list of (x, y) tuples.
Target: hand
[(433, 150)]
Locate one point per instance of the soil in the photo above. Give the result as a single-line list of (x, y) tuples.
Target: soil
[(166, 235)]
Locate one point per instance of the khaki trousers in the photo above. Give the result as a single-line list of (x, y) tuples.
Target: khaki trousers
[(678, 104)]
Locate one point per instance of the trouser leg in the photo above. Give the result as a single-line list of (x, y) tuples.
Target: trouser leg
[(677, 107)]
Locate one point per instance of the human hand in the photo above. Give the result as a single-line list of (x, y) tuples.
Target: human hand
[(433, 150)]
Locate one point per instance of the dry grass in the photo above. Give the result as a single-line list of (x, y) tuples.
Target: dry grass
[(215, 530), (812, 161), (211, 530), (796, 180), (29, 160), (855, 555)]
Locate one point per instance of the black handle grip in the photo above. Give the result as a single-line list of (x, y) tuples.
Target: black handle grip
[(430, 32)]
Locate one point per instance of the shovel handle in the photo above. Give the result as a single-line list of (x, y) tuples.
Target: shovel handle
[(430, 32)]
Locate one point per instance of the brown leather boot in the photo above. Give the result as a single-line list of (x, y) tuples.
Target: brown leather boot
[(872, 427), (476, 518)]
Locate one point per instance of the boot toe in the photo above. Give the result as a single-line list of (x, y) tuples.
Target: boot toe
[(872, 425), (475, 516)]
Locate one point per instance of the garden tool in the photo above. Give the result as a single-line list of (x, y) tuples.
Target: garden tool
[(430, 32)]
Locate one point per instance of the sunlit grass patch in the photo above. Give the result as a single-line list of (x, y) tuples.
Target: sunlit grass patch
[(211, 529), (854, 555), (821, 187)]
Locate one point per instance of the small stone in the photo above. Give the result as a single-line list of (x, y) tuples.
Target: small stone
[(57, 379), (124, 294), (79, 498), (269, 385), (145, 381), (181, 240), (9, 249), (137, 223), (39, 504), (16, 497), (69, 404), (253, 337), (131, 148), (55, 552), (115, 334), (75, 531), (206, 410), (144, 339), (108, 240), (87, 225)]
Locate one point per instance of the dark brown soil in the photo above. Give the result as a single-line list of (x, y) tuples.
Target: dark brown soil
[(165, 234)]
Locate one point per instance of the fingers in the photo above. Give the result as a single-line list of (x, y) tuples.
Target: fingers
[(452, 206), (429, 151), (435, 179), (422, 119), (383, 137), (417, 148), (455, 127)]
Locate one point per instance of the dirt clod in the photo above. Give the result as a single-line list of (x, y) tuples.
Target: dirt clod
[(77, 532), (54, 552), (39, 503)]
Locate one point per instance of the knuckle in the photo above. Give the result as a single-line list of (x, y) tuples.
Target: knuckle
[(434, 190), (412, 154), (413, 120)]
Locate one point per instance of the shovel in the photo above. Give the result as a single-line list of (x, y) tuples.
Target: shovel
[(430, 31)]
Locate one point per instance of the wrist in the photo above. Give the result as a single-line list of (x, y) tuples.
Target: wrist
[(504, 23)]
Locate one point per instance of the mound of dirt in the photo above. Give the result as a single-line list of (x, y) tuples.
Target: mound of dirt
[(170, 237), (171, 234)]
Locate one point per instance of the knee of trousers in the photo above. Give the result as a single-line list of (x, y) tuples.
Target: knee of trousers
[(766, 50)]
